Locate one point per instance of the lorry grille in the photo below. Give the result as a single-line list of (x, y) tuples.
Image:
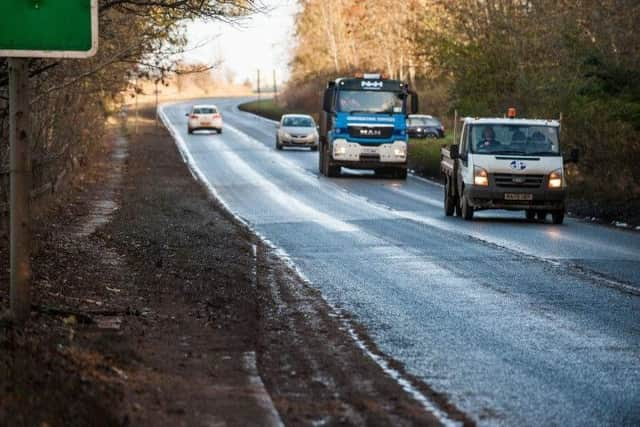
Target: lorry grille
[(507, 180), (370, 131)]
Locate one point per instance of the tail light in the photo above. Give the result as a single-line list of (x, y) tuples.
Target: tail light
[(194, 116), (217, 116)]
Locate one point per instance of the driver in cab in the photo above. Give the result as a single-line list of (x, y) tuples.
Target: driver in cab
[(488, 140)]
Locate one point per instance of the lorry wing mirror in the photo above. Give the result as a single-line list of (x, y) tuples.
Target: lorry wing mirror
[(453, 152), (414, 102)]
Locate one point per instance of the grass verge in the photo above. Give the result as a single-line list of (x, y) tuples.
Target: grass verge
[(424, 155)]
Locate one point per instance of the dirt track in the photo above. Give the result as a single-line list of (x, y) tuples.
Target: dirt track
[(148, 314)]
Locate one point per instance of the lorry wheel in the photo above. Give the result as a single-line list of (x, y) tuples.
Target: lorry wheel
[(542, 215), (400, 173), (466, 209), (333, 171), (449, 201), (530, 214), (557, 217), (321, 160)]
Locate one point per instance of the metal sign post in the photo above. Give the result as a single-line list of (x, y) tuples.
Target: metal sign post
[(34, 29)]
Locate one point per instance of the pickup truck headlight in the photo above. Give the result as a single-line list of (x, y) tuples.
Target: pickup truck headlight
[(480, 176), (555, 179)]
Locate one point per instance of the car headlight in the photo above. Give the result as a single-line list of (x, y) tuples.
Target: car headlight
[(555, 179), (480, 176)]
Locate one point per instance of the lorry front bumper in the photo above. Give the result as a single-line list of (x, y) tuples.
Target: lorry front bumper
[(357, 156), (492, 197)]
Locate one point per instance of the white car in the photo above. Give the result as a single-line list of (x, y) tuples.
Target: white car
[(206, 117), (297, 130)]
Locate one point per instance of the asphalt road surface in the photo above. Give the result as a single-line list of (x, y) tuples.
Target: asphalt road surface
[(518, 323)]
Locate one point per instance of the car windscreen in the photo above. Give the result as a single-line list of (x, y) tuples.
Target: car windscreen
[(360, 101), (298, 122), (524, 140), (204, 110), (423, 121)]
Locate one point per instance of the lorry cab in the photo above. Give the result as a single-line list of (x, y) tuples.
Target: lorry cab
[(363, 125), (506, 163)]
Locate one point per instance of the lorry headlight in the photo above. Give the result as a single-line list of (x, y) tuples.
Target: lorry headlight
[(480, 176), (555, 179), (400, 151), (340, 150)]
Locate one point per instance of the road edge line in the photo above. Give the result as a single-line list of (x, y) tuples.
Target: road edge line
[(406, 384)]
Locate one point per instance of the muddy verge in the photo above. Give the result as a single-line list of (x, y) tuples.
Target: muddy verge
[(151, 305)]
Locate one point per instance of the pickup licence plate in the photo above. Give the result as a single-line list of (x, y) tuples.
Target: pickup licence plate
[(518, 196)]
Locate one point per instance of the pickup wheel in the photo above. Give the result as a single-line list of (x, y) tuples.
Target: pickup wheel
[(466, 209), (530, 214), (450, 202), (557, 217)]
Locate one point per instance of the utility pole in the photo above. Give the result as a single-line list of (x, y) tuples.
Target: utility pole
[(258, 85), (275, 87), (20, 204)]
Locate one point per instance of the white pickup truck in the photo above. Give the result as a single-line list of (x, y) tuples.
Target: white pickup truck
[(506, 163)]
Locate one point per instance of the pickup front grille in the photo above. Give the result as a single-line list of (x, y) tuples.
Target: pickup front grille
[(507, 180), (374, 132)]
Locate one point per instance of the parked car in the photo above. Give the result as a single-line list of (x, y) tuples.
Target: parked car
[(297, 130), (204, 117), (424, 126)]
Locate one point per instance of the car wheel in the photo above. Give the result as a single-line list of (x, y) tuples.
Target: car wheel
[(219, 131), (557, 217), (314, 148), (466, 209), (278, 145), (190, 131)]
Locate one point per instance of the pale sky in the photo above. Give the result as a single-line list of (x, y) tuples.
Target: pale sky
[(260, 42)]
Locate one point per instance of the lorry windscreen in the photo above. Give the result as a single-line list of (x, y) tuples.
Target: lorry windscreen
[(523, 140), (361, 101)]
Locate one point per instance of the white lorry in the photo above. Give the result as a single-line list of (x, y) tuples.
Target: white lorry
[(506, 163)]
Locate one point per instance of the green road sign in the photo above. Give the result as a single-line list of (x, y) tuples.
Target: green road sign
[(48, 28)]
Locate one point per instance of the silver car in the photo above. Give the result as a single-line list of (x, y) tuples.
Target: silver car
[(297, 130)]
